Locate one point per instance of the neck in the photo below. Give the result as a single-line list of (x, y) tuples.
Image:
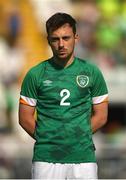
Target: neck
[(64, 62)]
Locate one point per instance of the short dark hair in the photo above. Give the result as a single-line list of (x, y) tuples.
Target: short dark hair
[(59, 19)]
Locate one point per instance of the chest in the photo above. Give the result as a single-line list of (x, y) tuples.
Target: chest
[(65, 87)]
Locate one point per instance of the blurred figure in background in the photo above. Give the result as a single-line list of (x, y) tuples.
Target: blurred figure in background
[(11, 64), (101, 33), (87, 26)]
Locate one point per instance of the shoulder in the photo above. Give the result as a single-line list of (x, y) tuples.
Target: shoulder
[(35, 72), (87, 64), (33, 76), (38, 70)]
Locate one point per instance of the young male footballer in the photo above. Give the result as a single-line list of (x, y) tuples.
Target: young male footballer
[(71, 100)]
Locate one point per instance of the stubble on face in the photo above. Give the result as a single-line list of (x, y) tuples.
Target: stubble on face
[(62, 42)]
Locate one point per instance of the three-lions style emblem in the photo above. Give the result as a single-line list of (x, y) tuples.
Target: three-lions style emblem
[(82, 80)]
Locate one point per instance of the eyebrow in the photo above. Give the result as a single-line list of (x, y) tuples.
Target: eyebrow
[(57, 38)]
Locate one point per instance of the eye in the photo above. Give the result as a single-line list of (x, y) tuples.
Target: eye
[(54, 39), (66, 38)]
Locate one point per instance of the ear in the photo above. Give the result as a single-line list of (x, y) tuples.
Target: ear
[(76, 38)]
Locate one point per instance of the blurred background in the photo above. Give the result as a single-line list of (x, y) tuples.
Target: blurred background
[(102, 31)]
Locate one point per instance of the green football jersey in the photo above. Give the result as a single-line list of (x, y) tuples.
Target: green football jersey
[(63, 98)]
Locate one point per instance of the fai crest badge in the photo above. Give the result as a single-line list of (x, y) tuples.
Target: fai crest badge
[(82, 80)]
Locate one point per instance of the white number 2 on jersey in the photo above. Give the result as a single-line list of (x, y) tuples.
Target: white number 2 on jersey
[(64, 94)]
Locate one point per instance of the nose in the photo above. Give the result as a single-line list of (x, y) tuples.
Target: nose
[(61, 44)]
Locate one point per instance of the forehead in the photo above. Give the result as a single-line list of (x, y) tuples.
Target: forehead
[(65, 29)]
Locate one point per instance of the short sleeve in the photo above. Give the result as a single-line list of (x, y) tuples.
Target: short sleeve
[(28, 94), (99, 89)]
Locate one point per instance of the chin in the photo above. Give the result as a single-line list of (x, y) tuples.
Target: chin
[(64, 57)]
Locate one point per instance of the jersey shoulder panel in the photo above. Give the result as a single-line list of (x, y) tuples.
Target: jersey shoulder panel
[(38, 69), (87, 63), (99, 90)]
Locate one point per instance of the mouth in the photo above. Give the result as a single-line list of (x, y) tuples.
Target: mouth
[(61, 52)]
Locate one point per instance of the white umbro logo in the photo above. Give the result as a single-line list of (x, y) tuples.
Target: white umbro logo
[(47, 83)]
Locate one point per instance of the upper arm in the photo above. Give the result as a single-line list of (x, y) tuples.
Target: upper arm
[(99, 94), (101, 110), (25, 109), (26, 112), (27, 118), (28, 98), (99, 116)]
